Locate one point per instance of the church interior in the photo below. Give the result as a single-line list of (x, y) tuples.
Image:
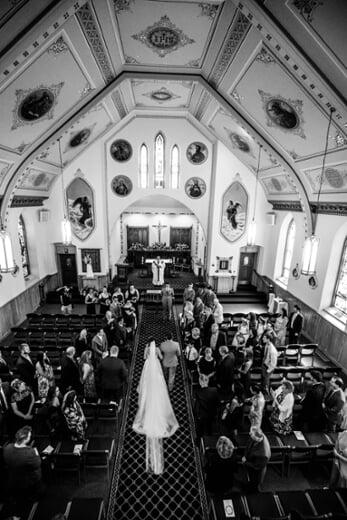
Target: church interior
[(197, 152)]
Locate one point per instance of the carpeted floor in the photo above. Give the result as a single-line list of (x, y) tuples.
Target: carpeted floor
[(178, 493)]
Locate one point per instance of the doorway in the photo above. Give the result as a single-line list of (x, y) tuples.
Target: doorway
[(248, 262), (66, 264)]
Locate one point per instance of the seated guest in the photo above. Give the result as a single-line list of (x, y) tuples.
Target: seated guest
[(197, 311), (74, 416), (70, 376), (205, 407), (44, 374), (312, 415), (216, 339), (87, 375), (191, 356), (22, 404), (104, 299), (333, 403), (257, 454), (118, 294), (225, 373), (132, 295), (257, 406), (24, 480), (99, 346), (82, 342), (217, 311), (90, 300), (283, 403), (221, 467), (280, 327), (25, 367), (112, 375), (207, 364), (4, 407)]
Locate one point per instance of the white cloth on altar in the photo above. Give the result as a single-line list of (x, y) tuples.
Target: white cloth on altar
[(158, 269)]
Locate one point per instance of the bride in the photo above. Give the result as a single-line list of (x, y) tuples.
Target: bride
[(155, 417)]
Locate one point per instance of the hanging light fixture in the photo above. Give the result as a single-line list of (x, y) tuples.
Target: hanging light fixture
[(252, 230), (310, 251), (65, 223), (7, 262)]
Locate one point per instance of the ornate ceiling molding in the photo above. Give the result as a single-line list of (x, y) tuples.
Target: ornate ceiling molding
[(21, 201), (324, 208)]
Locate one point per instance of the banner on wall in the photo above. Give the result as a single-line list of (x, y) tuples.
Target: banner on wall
[(80, 201)]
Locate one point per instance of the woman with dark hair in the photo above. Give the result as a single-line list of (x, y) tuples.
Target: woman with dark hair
[(90, 301), (280, 327), (104, 300), (44, 374), (82, 342), (74, 416), (22, 404), (51, 415), (119, 295), (87, 375), (132, 295), (207, 364)]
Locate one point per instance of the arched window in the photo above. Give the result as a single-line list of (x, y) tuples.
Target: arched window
[(174, 168), (159, 161), (288, 251), (23, 247), (340, 294), (143, 166)]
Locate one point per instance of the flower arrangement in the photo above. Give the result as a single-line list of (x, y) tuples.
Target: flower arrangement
[(137, 246), (159, 245), (182, 247)]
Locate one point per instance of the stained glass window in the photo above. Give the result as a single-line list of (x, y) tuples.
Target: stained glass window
[(288, 251), (159, 161), (23, 247), (340, 296), (143, 167), (174, 168)]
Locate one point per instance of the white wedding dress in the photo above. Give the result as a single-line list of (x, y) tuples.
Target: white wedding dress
[(155, 417)]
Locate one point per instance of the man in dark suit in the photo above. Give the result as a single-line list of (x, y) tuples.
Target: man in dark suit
[(25, 367), (70, 376), (333, 403), (256, 457), (111, 376), (216, 338), (295, 325), (225, 373), (99, 346), (205, 407), (4, 407), (312, 414)]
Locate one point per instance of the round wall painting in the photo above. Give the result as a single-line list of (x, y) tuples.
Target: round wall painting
[(121, 185), (197, 153), (121, 150), (195, 187)]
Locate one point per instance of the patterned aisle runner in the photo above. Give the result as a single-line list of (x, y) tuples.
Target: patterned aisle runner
[(178, 493)]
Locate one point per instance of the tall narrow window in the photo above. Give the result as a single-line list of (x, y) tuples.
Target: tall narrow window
[(143, 167), (159, 161), (174, 168), (288, 251), (340, 295), (23, 247)]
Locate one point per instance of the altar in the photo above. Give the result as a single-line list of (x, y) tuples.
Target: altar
[(139, 257)]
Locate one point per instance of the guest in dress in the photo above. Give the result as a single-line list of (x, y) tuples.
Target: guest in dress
[(218, 311), (207, 365), (188, 315), (87, 375), (51, 415), (82, 342), (130, 320), (257, 406), (283, 403), (109, 325), (167, 298), (188, 294), (132, 295), (22, 404), (90, 301), (280, 327), (104, 300), (44, 374), (119, 295), (74, 416)]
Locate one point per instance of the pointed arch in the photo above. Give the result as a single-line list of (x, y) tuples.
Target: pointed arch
[(175, 167), (143, 166), (159, 160), (22, 236)]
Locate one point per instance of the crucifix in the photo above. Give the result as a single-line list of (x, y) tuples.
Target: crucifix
[(159, 227)]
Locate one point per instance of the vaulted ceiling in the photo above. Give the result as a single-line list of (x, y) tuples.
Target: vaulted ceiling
[(251, 72)]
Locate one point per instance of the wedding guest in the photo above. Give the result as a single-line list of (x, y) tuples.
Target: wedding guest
[(195, 339), (333, 403), (257, 406), (283, 403), (167, 298), (65, 296), (191, 356), (104, 299), (99, 346), (257, 455), (217, 311), (245, 368), (44, 374), (116, 307), (207, 365), (90, 301), (221, 467), (112, 375), (269, 362), (205, 407), (188, 315), (280, 327), (312, 415), (253, 323), (82, 342), (25, 366), (208, 297), (343, 423), (22, 404), (130, 320), (70, 378), (4, 408), (109, 326), (207, 321), (5, 371), (132, 295), (120, 334), (87, 375), (216, 339), (119, 295), (188, 294), (232, 417), (225, 372), (171, 352), (74, 416), (295, 324), (51, 415), (197, 311)]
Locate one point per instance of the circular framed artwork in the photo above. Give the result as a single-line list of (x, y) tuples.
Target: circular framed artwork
[(80, 137), (36, 104), (197, 152), (282, 114), (121, 185), (313, 282), (121, 150), (195, 187)]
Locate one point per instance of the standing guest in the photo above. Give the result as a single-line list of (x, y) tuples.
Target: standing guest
[(197, 311), (207, 365), (132, 295), (4, 368), (22, 404), (74, 416), (116, 308), (295, 325), (208, 297), (257, 406), (343, 423), (253, 323), (111, 376), (261, 327), (130, 320), (44, 374), (167, 298), (269, 362), (217, 311), (232, 417), (312, 415), (65, 296), (191, 355), (188, 294), (4, 408), (119, 295), (283, 403), (109, 325), (51, 414), (245, 369), (120, 333), (207, 320), (225, 373), (188, 315), (205, 407), (280, 327), (82, 342), (333, 403), (99, 346), (87, 375), (216, 339), (221, 468), (104, 299), (25, 367), (90, 301), (171, 352), (257, 455), (24, 484), (70, 377), (195, 338)]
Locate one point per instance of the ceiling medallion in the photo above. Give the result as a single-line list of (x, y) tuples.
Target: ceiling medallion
[(283, 113), (80, 137), (161, 95), (163, 37), (334, 178), (239, 142)]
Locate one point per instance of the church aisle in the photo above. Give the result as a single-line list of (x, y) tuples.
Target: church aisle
[(178, 492)]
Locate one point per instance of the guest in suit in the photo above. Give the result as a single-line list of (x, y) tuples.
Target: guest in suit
[(188, 294), (70, 376), (216, 339), (99, 346), (25, 367), (205, 407), (167, 298), (312, 415), (207, 321), (4, 407), (208, 297), (295, 324), (333, 403), (120, 333), (225, 373), (257, 454), (197, 311), (221, 467), (111, 376), (171, 352)]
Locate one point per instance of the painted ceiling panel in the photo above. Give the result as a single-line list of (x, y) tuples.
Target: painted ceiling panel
[(278, 185), (4, 170), (334, 178), (157, 93), (37, 180)]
